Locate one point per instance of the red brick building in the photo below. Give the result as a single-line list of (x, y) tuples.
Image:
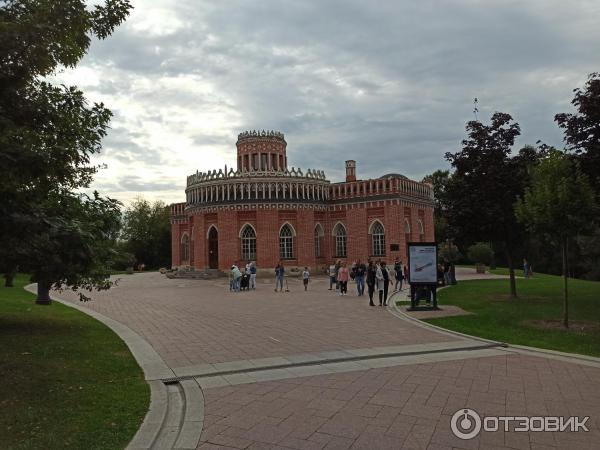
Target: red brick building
[(265, 212)]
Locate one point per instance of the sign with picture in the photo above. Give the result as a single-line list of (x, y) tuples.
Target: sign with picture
[(422, 262)]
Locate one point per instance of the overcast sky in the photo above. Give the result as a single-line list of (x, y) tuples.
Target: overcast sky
[(387, 83)]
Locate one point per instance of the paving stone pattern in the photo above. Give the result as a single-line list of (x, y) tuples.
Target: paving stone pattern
[(405, 407), (192, 322), (397, 403)]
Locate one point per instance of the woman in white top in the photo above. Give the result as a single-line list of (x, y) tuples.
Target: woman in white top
[(380, 281)]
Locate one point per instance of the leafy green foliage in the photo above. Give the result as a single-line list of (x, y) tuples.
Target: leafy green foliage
[(47, 137), (447, 251), (147, 233), (74, 244), (486, 181), (39, 35), (480, 253), (439, 180), (559, 204), (582, 129)]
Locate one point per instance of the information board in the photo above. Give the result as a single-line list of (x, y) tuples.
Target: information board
[(422, 263)]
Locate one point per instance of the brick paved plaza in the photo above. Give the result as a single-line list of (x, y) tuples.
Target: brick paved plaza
[(222, 339)]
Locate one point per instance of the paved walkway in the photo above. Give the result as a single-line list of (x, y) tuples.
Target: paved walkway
[(315, 370), (191, 322)]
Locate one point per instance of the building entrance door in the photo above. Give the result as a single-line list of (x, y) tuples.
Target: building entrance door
[(213, 248)]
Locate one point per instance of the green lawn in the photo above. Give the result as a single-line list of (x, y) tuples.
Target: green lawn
[(68, 382), (528, 320)]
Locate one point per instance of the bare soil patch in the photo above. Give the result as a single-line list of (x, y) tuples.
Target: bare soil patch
[(444, 311)]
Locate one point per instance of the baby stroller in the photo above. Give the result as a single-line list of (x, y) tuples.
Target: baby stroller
[(245, 282)]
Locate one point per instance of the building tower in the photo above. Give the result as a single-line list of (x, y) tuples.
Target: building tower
[(350, 170), (259, 151)]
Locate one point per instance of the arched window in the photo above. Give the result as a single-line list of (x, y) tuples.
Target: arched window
[(318, 238), (248, 241), (378, 238), (185, 248), (286, 242), (406, 234), (339, 232), (421, 230)]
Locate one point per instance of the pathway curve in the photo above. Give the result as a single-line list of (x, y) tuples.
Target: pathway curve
[(315, 370)]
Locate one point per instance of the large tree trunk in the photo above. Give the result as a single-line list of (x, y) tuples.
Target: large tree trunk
[(511, 272), (565, 271), (9, 278), (453, 274), (43, 293)]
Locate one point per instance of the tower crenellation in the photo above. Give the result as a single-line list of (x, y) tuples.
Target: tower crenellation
[(261, 151)]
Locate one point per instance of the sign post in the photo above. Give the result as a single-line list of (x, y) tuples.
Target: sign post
[(422, 271)]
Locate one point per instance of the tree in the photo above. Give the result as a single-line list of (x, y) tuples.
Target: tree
[(47, 133), (480, 253), (485, 183), (560, 204), (582, 129), (147, 232), (439, 180), (74, 245)]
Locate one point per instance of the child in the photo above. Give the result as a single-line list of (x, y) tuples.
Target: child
[(305, 276)]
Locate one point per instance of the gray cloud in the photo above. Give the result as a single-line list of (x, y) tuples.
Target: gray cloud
[(389, 84)]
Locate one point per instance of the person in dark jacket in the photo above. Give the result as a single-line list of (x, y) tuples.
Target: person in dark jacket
[(279, 274), (371, 281), (359, 276)]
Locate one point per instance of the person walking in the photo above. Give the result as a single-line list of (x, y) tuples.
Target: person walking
[(525, 268), (253, 275), (305, 276), (332, 276), (371, 281), (343, 276), (279, 274), (379, 277), (338, 264), (387, 276), (398, 274), (359, 277)]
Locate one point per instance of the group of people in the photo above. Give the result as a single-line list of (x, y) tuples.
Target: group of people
[(375, 275), (244, 278), (280, 274)]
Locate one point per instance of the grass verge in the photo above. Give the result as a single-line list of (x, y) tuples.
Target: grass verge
[(533, 319), (67, 381)]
